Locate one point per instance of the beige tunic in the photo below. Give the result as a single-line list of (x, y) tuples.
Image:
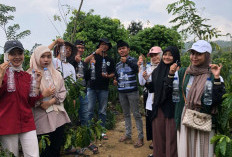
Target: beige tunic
[(48, 122)]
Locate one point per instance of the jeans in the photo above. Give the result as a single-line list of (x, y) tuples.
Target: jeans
[(130, 102), (83, 111), (102, 97)]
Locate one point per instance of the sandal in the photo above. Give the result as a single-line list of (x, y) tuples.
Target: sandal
[(104, 136), (151, 146), (124, 139), (74, 152), (139, 143), (93, 148)]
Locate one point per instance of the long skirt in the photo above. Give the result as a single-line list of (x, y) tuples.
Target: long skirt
[(194, 143), (164, 136), (148, 117)]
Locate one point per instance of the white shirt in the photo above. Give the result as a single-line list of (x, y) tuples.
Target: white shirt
[(66, 68), (142, 82)]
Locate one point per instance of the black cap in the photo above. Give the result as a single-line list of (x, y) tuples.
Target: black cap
[(69, 44), (57, 48), (122, 43), (79, 42), (105, 40), (10, 45)]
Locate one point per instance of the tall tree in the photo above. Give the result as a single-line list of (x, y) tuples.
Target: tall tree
[(190, 21), (135, 27), (10, 31), (91, 28), (158, 35)]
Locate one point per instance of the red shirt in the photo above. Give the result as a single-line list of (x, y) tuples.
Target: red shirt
[(15, 107)]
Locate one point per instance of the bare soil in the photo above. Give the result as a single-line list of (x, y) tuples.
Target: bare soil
[(113, 148)]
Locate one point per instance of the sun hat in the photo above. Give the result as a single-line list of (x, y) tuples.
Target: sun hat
[(201, 46), (155, 49)]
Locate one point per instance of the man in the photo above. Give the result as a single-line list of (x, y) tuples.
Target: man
[(126, 72), (64, 67), (83, 111), (98, 88)]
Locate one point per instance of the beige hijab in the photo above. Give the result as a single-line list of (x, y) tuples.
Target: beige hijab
[(200, 74), (35, 64)]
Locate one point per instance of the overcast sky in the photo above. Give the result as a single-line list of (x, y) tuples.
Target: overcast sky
[(33, 15)]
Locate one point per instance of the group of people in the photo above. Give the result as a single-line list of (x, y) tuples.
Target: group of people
[(24, 117), (164, 116)]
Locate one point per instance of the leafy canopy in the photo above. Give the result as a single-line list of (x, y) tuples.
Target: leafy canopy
[(158, 35), (190, 21), (10, 31), (91, 28)]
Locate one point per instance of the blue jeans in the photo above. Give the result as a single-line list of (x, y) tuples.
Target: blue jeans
[(83, 111), (102, 97)]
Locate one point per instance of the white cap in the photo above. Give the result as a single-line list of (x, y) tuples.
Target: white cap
[(201, 46)]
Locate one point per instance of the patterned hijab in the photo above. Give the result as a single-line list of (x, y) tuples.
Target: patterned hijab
[(200, 74), (35, 64)]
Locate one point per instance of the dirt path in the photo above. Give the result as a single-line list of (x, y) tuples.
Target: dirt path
[(113, 148)]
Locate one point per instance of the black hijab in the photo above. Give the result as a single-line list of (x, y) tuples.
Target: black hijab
[(160, 73)]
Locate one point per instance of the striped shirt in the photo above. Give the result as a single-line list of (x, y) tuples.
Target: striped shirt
[(126, 75)]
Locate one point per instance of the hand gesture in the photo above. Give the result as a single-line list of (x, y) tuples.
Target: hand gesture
[(99, 50), (38, 76), (173, 68), (123, 59), (3, 68), (105, 75), (216, 70), (45, 105), (140, 61), (77, 58), (145, 76), (92, 61), (115, 82), (59, 41), (48, 92)]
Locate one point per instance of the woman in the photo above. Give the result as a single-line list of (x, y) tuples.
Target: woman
[(145, 76), (16, 118), (193, 142), (50, 122), (163, 124)]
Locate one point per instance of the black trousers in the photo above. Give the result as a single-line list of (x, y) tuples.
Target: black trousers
[(148, 118), (56, 138)]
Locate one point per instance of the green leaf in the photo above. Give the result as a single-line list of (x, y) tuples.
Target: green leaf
[(223, 147)]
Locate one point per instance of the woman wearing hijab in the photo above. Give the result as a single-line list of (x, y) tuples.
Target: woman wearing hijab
[(16, 118), (163, 124), (144, 77), (193, 142), (50, 116)]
